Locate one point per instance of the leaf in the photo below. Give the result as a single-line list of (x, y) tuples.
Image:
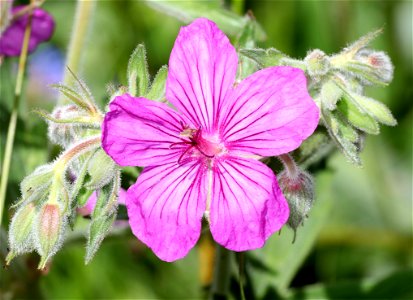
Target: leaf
[(138, 74), (357, 117), (187, 11), (246, 39), (157, 89), (264, 58), (343, 135), (279, 258)]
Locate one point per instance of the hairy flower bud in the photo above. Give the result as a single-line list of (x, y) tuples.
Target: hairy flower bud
[(101, 169), (373, 67), (20, 233), (50, 226), (35, 185), (298, 189), (317, 63), (64, 131)]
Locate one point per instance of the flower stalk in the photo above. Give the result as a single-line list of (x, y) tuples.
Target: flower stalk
[(83, 18), (222, 273), (13, 118)]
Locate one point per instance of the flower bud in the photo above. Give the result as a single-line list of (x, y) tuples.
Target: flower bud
[(35, 183), (49, 231), (299, 193), (317, 63), (65, 133), (373, 67), (330, 93), (20, 233), (101, 169)]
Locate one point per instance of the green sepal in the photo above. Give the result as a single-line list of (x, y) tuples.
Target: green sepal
[(157, 89), (103, 216), (376, 109), (343, 135), (97, 231), (138, 74), (80, 179), (356, 116), (365, 73)]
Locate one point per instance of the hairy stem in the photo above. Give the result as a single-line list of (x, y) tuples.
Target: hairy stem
[(13, 118), (289, 165), (83, 18), (222, 274)]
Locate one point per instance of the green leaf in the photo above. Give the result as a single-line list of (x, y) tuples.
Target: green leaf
[(138, 74), (357, 117), (343, 135), (187, 11), (246, 39), (264, 58), (377, 110), (280, 259), (157, 90)]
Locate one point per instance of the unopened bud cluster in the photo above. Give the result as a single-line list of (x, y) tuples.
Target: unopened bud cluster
[(337, 83), (51, 194)]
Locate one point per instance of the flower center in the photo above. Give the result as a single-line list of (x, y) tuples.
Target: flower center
[(200, 144), (209, 146)]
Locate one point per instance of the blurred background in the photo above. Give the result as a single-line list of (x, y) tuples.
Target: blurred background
[(357, 243)]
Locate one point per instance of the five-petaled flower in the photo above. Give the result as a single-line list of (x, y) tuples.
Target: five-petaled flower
[(202, 156), (13, 24)]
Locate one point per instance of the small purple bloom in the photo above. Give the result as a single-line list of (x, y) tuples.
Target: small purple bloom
[(202, 157), (11, 39)]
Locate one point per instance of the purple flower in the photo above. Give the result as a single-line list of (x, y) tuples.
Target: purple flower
[(202, 157), (11, 39)]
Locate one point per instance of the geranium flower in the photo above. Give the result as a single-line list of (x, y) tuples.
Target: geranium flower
[(203, 156), (13, 26)]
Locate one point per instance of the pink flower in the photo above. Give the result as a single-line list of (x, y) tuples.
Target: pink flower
[(202, 157), (11, 39)]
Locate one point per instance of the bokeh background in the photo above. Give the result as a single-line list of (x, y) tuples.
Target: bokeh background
[(357, 243)]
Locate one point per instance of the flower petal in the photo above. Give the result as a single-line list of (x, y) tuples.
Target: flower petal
[(165, 207), (270, 113), (140, 132), (11, 40), (202, 69), (247, 205)]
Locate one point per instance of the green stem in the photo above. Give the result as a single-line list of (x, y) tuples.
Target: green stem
[(13, 118), (83, 18), (222, 274), (241, 271)]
